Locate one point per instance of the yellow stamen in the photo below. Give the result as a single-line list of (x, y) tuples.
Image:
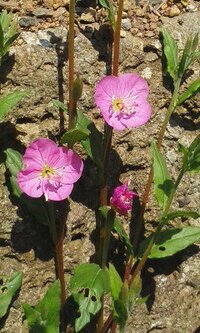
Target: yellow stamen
[(47, 171), (118, 104)]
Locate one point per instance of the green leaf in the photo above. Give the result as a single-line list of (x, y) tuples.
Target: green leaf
[(163, 184), (119, 229), (87, 286), (13, 161), (45, 316), (192, 90), (180, 213), (191, 159), (8, 290), (10, 101), (110, 8), (9, 42), (171, 241), (59, 105), (189, 54), (73, 136), (93, 143), (115, 282), (171, 53)]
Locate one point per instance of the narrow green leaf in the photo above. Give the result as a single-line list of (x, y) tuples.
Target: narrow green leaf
[(59, 105), (171, 241), (45, 316), (171, 53), (192, 90), (115, 282), (87, 286), (9, 42), (9, 290), (180, 213), (110, 8), (1, 40), (191, 159), (163, 184), (10, 101)]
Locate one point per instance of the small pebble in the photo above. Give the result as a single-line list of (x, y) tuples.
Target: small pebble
[(174, 11)]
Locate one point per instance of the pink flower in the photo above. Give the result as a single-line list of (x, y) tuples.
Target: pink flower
[(49, 170), (122, 199), (123, 101)]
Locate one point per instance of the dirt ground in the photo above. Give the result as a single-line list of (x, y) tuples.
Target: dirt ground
[(38, 64)]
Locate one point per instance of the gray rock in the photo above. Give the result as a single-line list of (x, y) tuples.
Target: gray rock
[(27, 21), (126, 24), (42, 12)]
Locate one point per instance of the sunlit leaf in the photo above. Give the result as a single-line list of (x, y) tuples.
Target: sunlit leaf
[(171, 53), (171, 241), (87, 285), (163, 184), (8, 290), (45, 316), (115, 282), (181, 213), (110, 8), (10, 101), (192, 90), (191, 159)]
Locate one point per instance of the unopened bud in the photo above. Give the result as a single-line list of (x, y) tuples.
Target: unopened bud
[(77, 89)]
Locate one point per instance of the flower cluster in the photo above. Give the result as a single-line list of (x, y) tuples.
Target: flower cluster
[(49, 170), (123, 101), (122, 199)]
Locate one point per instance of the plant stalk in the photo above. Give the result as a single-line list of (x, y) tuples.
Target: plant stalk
[(170, 110), (71, 106)]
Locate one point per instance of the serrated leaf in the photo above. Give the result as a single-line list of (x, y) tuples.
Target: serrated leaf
[(59, 105), (171, 53), (9, 290), (10, 101), (181, 213), (163, 184), (87, 285), (74, 135), (171, 241), (192, 90), (45, 316)]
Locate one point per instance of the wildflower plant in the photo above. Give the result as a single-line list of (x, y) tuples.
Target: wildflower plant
[(8, 33), (47, 173)]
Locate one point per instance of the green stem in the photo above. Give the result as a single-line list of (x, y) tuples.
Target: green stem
[(159, 228), (170, 110), (144, 258), (71, 106)]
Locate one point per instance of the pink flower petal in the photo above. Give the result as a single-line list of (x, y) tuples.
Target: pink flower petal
[(30, 183), (49, 170), (131, 90)]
